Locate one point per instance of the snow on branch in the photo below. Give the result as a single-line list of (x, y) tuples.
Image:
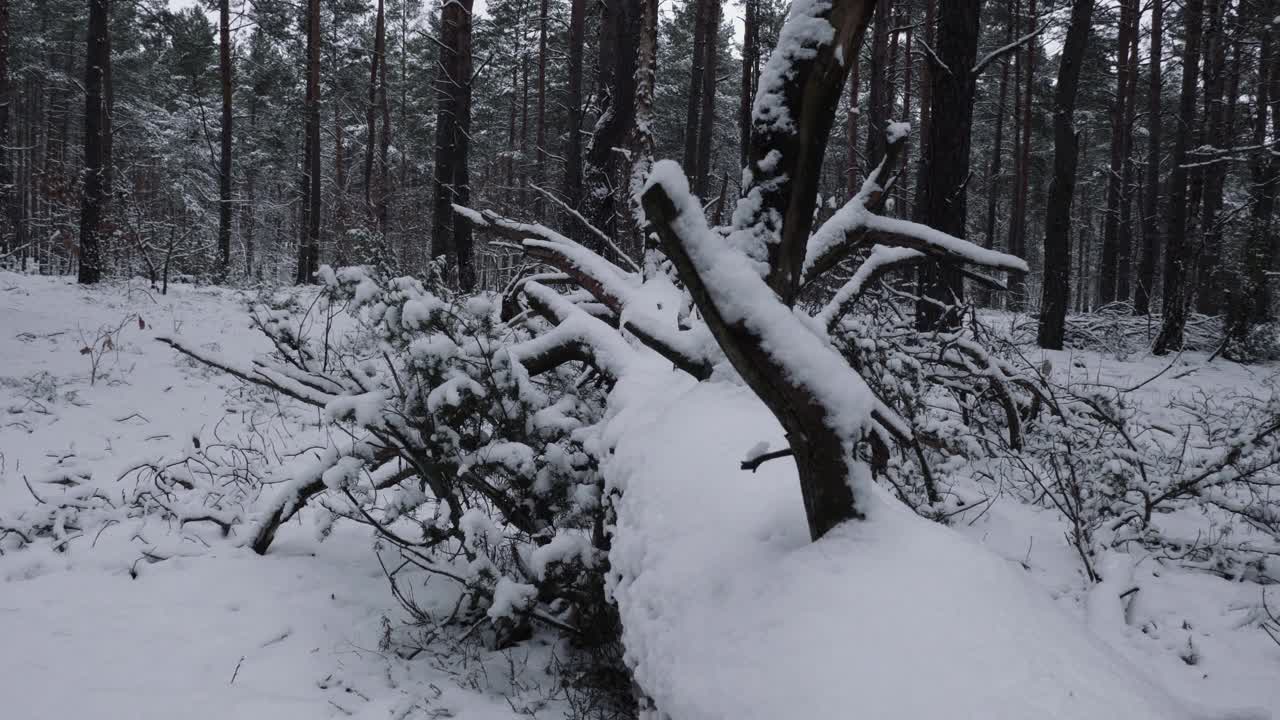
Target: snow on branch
[(576, 331), (616, 289), (881, 260), (856, 224), (823, 404), (791, 121), (258, 373)]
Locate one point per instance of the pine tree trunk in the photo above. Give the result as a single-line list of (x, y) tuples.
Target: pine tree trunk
[(1209, 285), (750, 69), (6, 175), (616, 79), (1176, 250), (224, 164), (1250, 305), (384, 144), (1107, 273), (1124, 234), (880, 97), (997, 151), (926, 105), (371, 117), (1151, 198), (694, 98), (309, 248), (1055, 294), (1022, 171), (540, 133), (94, 197), (942, 189), (573, 138), (707, 115), (462, 239), (451, 240), (851, 123), (642, 139)]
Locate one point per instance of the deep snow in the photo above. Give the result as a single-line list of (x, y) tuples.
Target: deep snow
[(732, 612)]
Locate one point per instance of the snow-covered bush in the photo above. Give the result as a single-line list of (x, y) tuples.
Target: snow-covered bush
[(449, 435)]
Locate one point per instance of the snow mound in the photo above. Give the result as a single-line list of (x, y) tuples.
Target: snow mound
[(729, 610)]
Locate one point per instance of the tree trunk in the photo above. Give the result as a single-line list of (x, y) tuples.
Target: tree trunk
[(642, 139), (1251, 304), (1151, 199), (880, 99), (851, 123), (616, 80), (707, 115), (1175, 256), (1022, 173), (94, 197), (224, 164), (384, 143), (573, 139), (1124, 235), (926, 104), (694, 98), (6, 175), (750, 70), (942, 189), (540, 134), (1209, 284), (371, 117), (309, 248), (1055, 294), (451, 240), (997, 150), (1107, 274)]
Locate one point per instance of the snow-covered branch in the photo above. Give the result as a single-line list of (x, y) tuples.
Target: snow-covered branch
[(791, 122), (621, 292)]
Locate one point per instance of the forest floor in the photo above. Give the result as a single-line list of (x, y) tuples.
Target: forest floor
[(90, 627), (215, 632)]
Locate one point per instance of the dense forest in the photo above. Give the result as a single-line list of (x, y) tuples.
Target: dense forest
[(1124, 149)]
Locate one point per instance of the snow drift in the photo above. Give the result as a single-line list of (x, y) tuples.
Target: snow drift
[(731, 612)]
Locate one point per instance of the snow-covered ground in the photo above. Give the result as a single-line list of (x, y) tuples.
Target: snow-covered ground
[(215, 631), (733, 612)]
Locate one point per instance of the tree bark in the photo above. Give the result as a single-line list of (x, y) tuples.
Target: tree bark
[(371, 115), (1057, 223), (94, 198), (1151, 199), (1210, 285), (309, 248), (1175, 260), (851, 122), (1251, 304), (880, 97), (573, 139), (224, 164), (450, 239), (540, 133), (1108, 272), (6, 174), (707, 115), (1022, 170), (694, 97), (942, 189), (750, 71), (997, 150)]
